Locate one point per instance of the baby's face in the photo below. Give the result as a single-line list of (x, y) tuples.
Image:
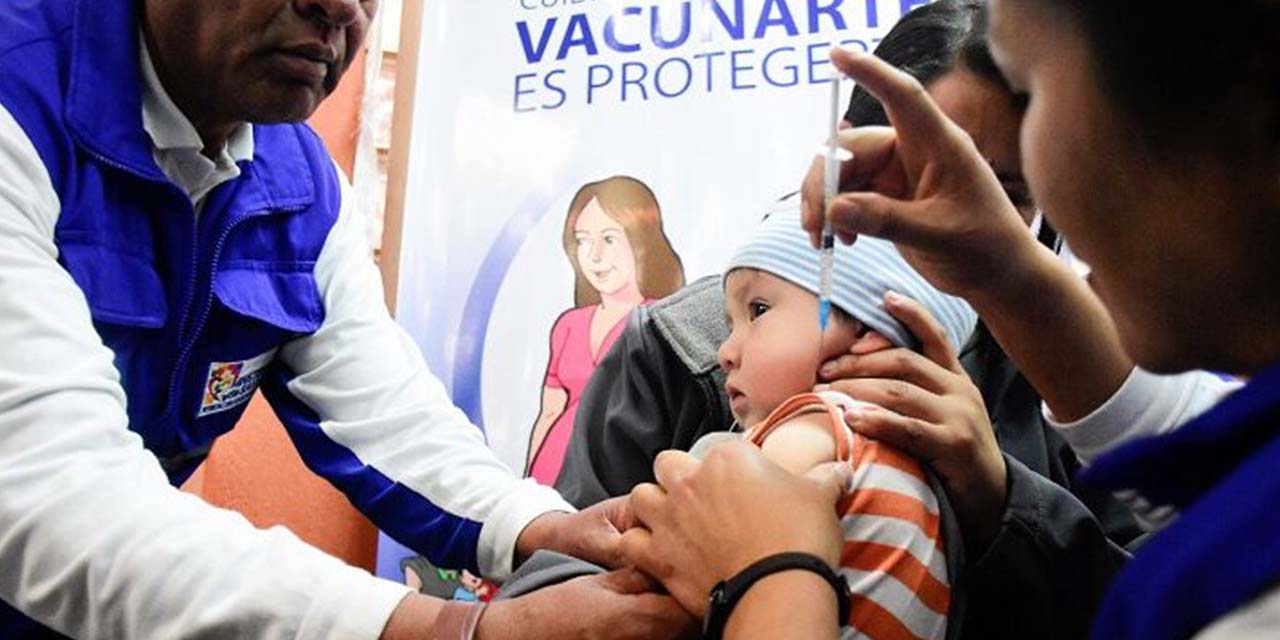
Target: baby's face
[(773, 348)]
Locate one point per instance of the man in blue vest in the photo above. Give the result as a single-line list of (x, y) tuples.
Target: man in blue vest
[(172, 240)]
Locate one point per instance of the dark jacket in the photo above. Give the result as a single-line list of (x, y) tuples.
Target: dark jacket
[(660, 388)]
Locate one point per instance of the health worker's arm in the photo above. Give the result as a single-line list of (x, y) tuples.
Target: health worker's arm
[(365, 412), (1146, 404), (95, 542)]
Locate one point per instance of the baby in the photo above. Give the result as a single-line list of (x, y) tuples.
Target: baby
[(894, 555)]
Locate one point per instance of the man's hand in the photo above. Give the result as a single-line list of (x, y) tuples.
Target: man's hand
[(622, 604), (931, 410), (705, 522), (592, 534), (922, 185)]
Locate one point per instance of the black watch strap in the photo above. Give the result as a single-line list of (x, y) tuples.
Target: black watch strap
[(726, 594)]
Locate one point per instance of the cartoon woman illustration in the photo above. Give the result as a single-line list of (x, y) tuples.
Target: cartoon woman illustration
[(621, 259)]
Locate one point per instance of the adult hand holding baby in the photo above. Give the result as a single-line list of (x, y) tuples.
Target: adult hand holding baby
[(933, 411), (592, 534), (704, 522)]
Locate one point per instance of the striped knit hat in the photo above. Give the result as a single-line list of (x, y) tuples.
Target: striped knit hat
[(861, 275)]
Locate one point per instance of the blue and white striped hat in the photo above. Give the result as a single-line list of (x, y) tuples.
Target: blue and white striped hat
[(861, 275)]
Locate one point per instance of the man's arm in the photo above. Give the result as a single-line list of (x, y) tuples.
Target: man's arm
[(1145, 405), (96, 543), (365, 412), (1047, 568)]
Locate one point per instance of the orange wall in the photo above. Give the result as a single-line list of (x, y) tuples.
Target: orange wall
[(254, 469)]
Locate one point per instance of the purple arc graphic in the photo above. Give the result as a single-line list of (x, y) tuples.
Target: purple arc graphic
[(473, 329)]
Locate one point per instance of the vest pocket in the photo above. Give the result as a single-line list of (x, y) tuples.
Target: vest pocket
[(283, 296), (258, 308), (121, 288)]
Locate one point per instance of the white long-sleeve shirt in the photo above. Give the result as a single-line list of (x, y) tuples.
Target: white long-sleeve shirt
[(1146, 404), (95, 543)]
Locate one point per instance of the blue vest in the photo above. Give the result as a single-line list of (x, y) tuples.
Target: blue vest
[(1222, 471), (180, 301)]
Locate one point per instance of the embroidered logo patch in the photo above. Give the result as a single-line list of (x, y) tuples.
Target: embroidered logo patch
[(231, 384)]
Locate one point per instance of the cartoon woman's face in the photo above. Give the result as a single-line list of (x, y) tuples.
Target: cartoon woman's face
[(604, 253)]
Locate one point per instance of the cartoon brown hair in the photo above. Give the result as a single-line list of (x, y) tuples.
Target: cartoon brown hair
[(629, 202)]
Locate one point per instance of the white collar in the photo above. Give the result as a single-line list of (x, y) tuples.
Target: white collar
[(170, 129)]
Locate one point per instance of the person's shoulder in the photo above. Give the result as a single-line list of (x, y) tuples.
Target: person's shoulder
[(295, 166), (573, 319), (35, 53), (25, 24), (286, 139), (691, 321), (695, 296)]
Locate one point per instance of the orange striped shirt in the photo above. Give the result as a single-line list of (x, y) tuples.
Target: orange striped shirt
[(893, 554)]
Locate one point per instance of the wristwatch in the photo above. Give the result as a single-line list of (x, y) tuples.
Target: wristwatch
[(726, 594)]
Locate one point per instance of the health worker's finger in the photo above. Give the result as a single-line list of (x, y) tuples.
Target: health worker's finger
[(637, 548), (672, 467), (898, 396), (934, 343), (918, 438), (647, 504), (872, 150), (834, 478), (898, 364), (864, 212), (629, 581), (906, 102)]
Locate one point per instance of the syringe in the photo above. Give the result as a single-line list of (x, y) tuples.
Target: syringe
[(832, 185)]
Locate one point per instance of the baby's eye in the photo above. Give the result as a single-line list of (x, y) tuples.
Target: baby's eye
[(757, 309)]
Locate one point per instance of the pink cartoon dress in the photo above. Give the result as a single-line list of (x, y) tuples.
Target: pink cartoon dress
[(571, 366)]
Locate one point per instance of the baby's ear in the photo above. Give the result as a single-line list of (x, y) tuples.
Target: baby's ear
[(870, 342)]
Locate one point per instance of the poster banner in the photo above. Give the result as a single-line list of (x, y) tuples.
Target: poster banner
[(572, 159)]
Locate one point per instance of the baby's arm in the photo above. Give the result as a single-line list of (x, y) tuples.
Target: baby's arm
[(800, 443), (893, 553)]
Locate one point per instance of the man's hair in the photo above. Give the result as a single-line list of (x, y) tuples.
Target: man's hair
[(927, 43), (1170, 69)]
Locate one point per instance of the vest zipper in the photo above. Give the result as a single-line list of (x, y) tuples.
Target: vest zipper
[(198, 327)]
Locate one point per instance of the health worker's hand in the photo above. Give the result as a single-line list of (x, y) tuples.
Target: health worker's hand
[(622, 604), (923, 185), (704, 522), (592, 534)]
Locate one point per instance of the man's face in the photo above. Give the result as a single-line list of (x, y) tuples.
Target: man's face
[(1149, 223), (255, 60)]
